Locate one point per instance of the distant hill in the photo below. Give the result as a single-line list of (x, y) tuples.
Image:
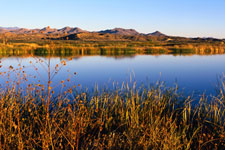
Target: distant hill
[(9, 28), (157, 33), (70, 30), (120, 31), (75, 33), (96, 36), (46, 30)]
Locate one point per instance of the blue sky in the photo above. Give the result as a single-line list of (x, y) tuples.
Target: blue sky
[(190, 18)]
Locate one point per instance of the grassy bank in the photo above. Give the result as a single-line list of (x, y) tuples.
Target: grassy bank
[(105, 49), (122, 118)]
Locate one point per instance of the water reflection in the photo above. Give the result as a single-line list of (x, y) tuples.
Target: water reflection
[(110, 52), (190, 71)]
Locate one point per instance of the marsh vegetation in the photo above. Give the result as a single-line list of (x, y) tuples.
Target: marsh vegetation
[(121, 118), (37, 116), (82, 48)]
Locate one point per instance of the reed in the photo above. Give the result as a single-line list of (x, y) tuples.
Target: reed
[(35, 116), (108, 48), (122, 118)]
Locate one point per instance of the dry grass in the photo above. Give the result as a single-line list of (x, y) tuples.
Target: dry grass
[(59, 48), (33, 117), (127, 118)]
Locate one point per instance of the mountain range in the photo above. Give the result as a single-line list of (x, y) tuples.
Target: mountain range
[(75, 33), (73, 30)]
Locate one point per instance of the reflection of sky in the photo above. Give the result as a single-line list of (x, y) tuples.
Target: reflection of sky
[(197, 73)]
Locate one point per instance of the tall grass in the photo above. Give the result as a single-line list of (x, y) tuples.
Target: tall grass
[(34, 117), (123, 118), (81, 48)]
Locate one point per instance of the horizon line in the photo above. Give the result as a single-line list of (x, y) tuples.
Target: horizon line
[(112, 29)]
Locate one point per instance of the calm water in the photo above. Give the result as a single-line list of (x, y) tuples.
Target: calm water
[(191, 73)]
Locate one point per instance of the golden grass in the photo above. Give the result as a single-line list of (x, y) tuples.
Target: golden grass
[(106, 48), (33, 117), (126, 118)]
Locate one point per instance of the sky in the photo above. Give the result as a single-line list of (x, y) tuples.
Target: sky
[(189, 18)]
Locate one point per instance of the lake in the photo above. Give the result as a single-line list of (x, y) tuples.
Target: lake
[(192, 73)]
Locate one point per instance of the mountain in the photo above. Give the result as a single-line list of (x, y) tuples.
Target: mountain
[(96, 36), (157, 33), (9, 28), (70, 30), (75, 33), (120, 31), (46, 30), (65, 30)]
